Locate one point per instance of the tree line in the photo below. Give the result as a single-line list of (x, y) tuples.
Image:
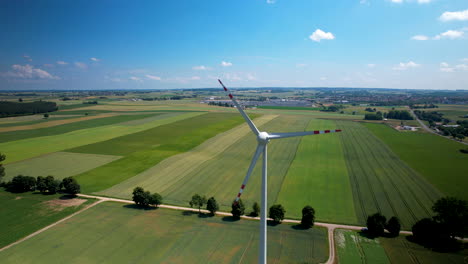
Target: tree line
[(18, 108), (42, 184), (438, 232)]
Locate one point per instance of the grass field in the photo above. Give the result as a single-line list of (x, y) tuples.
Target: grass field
[(318, 177), (436, 158), (31, 147), (145, 149), (290, 108), (351, 247), (41, 119), (400, 250), (177, 167), (113, 233), (25, 213), (222, 176), (380, 181), (58, 164), (72, 125)]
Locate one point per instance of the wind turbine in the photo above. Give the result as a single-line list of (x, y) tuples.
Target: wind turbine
[(263, 138)]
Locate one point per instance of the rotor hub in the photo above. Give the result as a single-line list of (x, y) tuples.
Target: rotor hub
[(263, 138)]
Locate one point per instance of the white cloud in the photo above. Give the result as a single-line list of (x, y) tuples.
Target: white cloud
[(419, 37), (363, 2), (404, 66), (27, 57), (226, 64), (319, 35), (419, 1), (445, 67), (397, 1), (152, 77), (195, 78), (371, 65), (424, 1), (271, 1), (301, 65), (450, 16), (29, 72), (462, 67), (323, 78), (95, 59), (450, 34), (62, 63), (200, 68), (136, 79), (250, 77), (81, 65)]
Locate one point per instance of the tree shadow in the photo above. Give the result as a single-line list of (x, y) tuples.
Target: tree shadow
[(67, 197), (139, 207), (439, 245), (300, 227), (230, 219), (272, 223), (188, 213), (202, 215), (367, 234)]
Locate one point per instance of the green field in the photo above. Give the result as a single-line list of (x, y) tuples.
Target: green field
[(114, 233), (401, 250), (58, 164), (33, 122), (31, 147), (289, 108), (352, 247), (145, 149), (380, 181), (24, 213), (436, 158), (222, 176), (318, 177), (65, 128)]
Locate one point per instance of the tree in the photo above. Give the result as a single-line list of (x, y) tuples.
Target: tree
[(53, 185), (426, 231), (212, 205), (22, 183), (376, 224), (277, 213), (41, 184), (238, 209), (2, 169), (255, 209), (198, 201), (308, 216), (140, 197), (71, 185), (155, 199), (452, 215), (393, 226), (46, 116)]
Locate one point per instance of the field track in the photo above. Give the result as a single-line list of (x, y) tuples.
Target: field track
[(380, 181)]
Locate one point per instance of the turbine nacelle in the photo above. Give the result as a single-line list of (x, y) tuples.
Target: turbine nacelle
[(263, 138)]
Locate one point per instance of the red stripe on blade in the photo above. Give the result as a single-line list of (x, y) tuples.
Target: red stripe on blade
[(327, 131), (243, 186), (230, 96), (316, 132), (238, 195), (338, 130)]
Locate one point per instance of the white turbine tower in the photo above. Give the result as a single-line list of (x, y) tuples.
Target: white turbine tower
[(263, 138)]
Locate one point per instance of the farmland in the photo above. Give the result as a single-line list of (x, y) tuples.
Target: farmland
[(318, 177), (24, 213), (31, 147), (380, 181), (221, 176), (147, 148), (352, 247), (436, 158), (57, 164), (110, 232)]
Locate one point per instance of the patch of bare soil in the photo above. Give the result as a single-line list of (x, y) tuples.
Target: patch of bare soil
[(18, 197), (60, 204)]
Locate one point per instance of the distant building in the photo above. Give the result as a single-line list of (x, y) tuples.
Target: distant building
[(409, 128), (451, 125)]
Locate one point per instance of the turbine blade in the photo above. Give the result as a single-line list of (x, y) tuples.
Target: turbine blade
[(246, 117), (258, 151), (298, 134)]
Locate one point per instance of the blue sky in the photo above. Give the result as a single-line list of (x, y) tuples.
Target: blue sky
[(410, 44)]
